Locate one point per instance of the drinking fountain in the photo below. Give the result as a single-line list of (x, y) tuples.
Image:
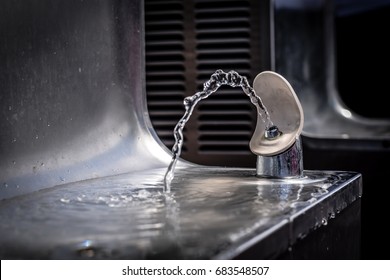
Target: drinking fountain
[(82, 169)]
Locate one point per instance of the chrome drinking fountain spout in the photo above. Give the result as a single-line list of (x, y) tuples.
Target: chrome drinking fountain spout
[(278, 147)]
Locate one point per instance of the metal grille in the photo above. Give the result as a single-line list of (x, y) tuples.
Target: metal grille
[(186, 41)]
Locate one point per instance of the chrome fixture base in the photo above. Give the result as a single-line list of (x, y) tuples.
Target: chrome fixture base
[(288, 164)]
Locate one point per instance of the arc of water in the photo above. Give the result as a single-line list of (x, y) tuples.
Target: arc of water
[(219, 78)]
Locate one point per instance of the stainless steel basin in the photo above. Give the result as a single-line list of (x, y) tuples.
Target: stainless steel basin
[(82, 169)]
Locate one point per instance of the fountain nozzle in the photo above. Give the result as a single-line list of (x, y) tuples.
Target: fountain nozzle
[(278, 147), (272, 132)]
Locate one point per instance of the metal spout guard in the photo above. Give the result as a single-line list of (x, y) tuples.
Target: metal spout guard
[(280, 156)]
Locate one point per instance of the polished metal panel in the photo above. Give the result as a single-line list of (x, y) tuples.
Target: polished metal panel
[(304, 40), (72, 99)]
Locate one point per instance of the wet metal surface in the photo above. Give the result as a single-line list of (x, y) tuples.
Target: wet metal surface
[(218, 214)]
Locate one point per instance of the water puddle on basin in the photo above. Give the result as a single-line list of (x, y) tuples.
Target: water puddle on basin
[(130, 216)]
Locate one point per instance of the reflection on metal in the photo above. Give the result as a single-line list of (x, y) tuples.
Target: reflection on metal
[(288, 164), (305, 55), (211, 213), (71, 94)]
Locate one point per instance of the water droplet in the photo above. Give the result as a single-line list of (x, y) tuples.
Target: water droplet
[(86, 249), (86, 243), (62, 179), (5, 185), (114, 198), (303, 235), (65, 200), (14, 140), (79, 69), (9, 108), (36, 136), (143, 194), (324, 221)]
